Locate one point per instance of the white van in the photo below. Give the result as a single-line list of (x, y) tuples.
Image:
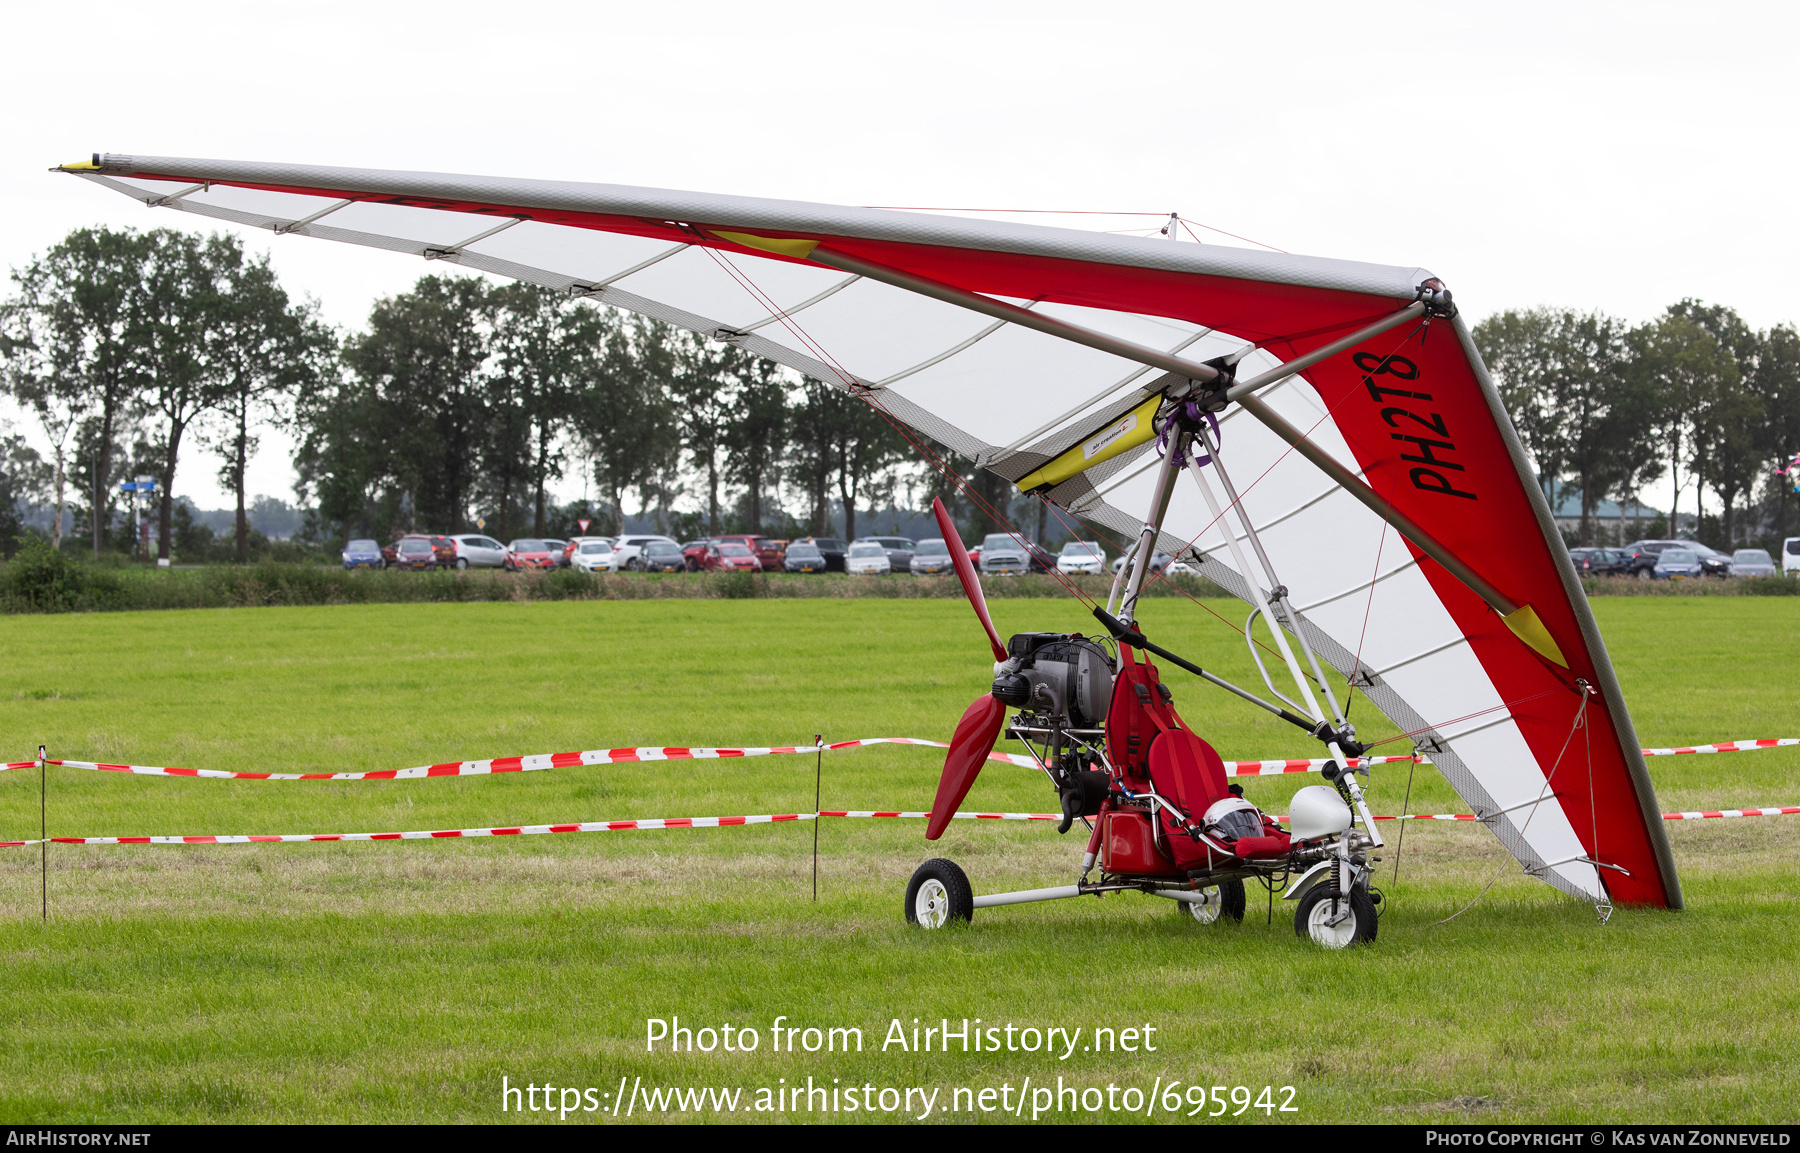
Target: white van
[(1790, 556)]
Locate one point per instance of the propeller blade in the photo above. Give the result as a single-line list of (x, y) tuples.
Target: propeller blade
[(974, 740), (965, 572)]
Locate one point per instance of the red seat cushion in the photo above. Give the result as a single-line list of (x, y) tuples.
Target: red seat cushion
[(1187, 773), (1262, 848)]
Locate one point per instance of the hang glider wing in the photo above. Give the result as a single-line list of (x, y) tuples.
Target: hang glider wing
[(864, 298)]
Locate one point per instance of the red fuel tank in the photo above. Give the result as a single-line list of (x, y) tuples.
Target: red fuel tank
[(1128, 845)]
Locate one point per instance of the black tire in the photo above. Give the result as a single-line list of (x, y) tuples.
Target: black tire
[(1230, 906), (1645, 574), (634, 565), (940, 890), (1358, 929)]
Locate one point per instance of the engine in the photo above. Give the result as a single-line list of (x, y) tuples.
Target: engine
[(1063, 677), (1062, 681)]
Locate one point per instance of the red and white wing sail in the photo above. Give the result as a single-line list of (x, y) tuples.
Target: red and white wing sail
[(1427, 433)]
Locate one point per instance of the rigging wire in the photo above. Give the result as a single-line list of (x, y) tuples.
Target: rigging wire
[(1356, 665), (1580, 722)]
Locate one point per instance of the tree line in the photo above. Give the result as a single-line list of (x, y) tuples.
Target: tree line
[(463, 404), (1608, 407)]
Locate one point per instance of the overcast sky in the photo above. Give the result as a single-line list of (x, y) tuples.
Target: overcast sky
[(1617, 156)]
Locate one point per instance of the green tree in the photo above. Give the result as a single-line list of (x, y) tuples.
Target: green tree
[(1775, 379), (1688, 373), (1581, 411), (623, 412), (546, 346), (866, 447), (756, 429), (422, 366), (1523, 352), (265, 352), (703, 392), (83, 304)]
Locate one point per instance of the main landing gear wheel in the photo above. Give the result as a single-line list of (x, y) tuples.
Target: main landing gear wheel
[(1226, 900), (938, 894), (1354, 918)]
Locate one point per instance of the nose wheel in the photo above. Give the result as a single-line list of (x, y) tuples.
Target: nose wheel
[(1334, 921), (939, 894)]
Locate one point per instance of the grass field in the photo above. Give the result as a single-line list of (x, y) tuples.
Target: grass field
[(402, 981)]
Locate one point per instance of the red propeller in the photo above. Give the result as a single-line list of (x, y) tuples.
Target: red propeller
[(980, 724)]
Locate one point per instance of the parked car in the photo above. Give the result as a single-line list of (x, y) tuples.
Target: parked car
[(573, 543), (730, 556), (594, 556), (631, 546), (476, 551), (363, 554), (662, 556), (866, 558), (1790, 555), (1678, 564), (442, 547), (1604, 561), (1158, 562), (832, 549), (1082, 556), (803, 557), (899, 551), (763, 548), (1712, 561), (414, 552), (530, 553), (1752, 562), (1005, 553), (931, 556), (561, 549), (694, 552)]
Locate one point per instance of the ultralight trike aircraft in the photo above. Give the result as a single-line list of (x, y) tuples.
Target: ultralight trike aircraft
[(1378, 515)]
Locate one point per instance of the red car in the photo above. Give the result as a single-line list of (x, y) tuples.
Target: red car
[(532, 553), (414, 552), (766, 551), (729, 556)]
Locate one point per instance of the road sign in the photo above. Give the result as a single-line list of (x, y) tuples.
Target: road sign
[(584, 524)]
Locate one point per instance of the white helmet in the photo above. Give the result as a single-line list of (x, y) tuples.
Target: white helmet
[(1232, 818), (1317, 812)]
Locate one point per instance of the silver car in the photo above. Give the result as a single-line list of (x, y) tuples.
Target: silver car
[(476, 551), (866, 558), (932, 556), (1002, 552), (1082, 556), (1752, 562)]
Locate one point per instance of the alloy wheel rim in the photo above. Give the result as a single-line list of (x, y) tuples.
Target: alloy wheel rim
[(932, 904)]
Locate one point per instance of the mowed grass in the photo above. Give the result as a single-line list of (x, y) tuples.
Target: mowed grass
[(401, 981)]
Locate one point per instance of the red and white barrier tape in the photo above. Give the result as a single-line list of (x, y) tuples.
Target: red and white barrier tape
[(720, 823), (529, 830), (1725, 747), (534, 763)]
